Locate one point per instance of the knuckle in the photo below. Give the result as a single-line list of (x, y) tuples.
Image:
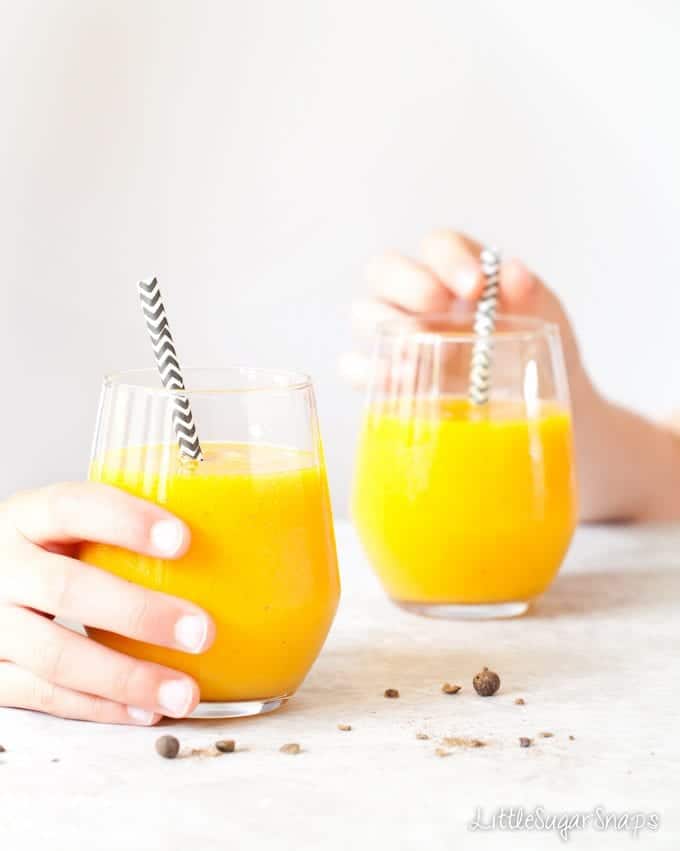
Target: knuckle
[(59, 504), (96, 708), (445, 244), (48, 660), (45, 697), (139, 617), (58, 588), (128, 681), (438, 237)]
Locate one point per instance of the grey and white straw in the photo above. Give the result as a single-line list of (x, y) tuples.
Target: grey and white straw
[(169, 368), (485, 322)]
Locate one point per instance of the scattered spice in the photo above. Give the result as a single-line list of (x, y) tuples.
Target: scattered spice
[(391, 692), (422, 736), (460, 742), (571, 738), (344, 727), (55, 759), (225, 745), (291, 748), (524, 742), (520, 701), (442, 752), (209, 751), (450, 688), (546, 735), (3, 749), (167, 747), (486, 682)]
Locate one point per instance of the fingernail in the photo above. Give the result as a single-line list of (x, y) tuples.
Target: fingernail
[(191, 632), (140, 716), (167, 537), (466, 280), (174, 697)]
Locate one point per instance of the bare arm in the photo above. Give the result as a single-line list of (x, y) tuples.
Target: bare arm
[(628, 466)]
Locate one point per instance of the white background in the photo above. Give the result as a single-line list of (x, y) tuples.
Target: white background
[(254, 155)]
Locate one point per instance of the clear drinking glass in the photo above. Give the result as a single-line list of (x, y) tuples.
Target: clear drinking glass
[(465, 510), (262, 558)]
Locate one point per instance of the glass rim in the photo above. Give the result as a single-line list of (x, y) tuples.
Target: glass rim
[(527, 327), (267, 380)]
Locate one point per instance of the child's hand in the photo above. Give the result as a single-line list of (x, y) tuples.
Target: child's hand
[(53, 669), (449, 275)]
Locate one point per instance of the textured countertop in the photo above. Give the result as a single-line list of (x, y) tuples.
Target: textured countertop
[(598, 658)]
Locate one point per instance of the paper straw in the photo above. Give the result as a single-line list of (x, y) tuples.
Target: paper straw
[(485, 321), (169, 368)]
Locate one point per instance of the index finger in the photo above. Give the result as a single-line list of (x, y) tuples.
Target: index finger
[(454, 259), (89, 511)]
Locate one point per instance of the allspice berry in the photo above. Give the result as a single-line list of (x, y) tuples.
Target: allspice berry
[(167, 747), (486, 682)]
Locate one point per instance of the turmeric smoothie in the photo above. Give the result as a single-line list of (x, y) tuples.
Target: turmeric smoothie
[(458, 504), (262, 560)]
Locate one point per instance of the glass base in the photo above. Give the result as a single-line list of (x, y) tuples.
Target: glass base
[(465, 611), (236, 708)]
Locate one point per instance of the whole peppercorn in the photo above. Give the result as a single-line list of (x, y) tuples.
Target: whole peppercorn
[(167, 747), (486, 682)]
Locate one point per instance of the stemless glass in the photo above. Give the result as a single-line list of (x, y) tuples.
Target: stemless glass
[(262, 558), (464, 510)]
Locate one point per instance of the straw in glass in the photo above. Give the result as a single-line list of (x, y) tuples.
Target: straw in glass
[(485, 321), (169, 368)]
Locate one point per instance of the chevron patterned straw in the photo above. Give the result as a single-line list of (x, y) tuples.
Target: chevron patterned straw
[(485, 321), (169, 368)]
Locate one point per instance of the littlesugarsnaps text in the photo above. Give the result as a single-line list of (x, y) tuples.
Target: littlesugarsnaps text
[(563, 824)]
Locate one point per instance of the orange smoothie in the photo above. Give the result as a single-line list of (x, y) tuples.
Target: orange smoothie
[(262, 561), (459, 504)]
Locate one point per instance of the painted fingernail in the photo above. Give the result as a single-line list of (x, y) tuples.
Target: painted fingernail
[(174, 697), (167, 537), (140, 716), (191, 632)]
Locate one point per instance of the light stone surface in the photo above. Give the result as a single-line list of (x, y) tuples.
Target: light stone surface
[(598, 658)]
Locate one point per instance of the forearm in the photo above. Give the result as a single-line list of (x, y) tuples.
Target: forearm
[(628, 467)]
